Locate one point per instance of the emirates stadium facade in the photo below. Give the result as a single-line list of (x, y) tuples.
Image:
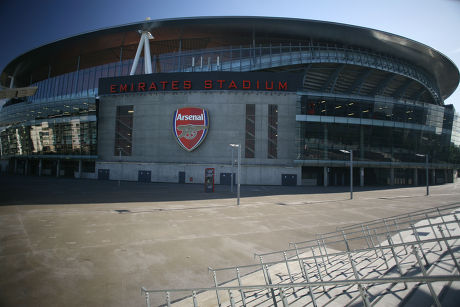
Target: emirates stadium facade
[(161, 100)]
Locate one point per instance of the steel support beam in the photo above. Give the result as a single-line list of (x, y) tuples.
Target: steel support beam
[(330, 83), (359, 81), (380, 88), (400, 91)]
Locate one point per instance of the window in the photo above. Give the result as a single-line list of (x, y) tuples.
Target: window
[(123, 131), (250, 138), (272, 131)]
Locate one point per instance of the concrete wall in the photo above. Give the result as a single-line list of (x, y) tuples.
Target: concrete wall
[(194, 173), (155, 147)]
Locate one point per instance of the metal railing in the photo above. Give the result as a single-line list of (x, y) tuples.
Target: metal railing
[(311, 271)]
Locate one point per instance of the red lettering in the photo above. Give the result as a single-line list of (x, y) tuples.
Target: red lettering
[(266, 85), (132, 87), (123, 87), (246, 84), (187, 85), (113, 88), (232, 85), (220, 83), (153, 87), (141, 86), (207, 84), (257, 84), (282, 86), (175, 85), (164, 84)]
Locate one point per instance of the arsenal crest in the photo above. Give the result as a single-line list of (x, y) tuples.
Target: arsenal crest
[(190, 126)]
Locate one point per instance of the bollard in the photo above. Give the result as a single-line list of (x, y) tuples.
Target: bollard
[(381, 249), (243, 297), (301, 265), (168, 299), (365, 236), (147, 299), (317, 268), (417, 238), (312, 295), (325, 250), (271, 289), (322, 257), (287, 266), (372, 242), (283, 298), (443, 221), (362, 291), (195, 304), (215, 283), (230, 296), (400, 235), (390, 244)]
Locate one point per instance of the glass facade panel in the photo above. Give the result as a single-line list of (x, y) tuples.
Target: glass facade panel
[(272, 131), (124, 131), (51, 137), (321, 141), (250, 141)]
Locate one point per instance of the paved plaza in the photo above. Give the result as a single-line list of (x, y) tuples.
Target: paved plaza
[(68, 242)]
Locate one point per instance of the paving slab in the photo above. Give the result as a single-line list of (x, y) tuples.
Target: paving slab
[(93, 243)]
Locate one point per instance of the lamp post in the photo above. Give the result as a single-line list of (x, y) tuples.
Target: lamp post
[(239, 171), (351, 170), (231, 174), (119, 159), (426, 173)]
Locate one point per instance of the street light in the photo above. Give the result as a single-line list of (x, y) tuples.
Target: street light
[(426, 173), (351, 170), (239, 170), (231, 174)]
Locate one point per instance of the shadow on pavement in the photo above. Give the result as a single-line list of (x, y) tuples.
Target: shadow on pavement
[(21, 190)]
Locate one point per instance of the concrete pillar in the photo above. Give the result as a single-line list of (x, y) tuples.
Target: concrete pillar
[(58, 168), (392, 176), (26, 167), (15, 166), (326, 176), (415, 177), (445, 176), (80, 166), (361, 143), (40, 166), (361, 176), (433, 177)]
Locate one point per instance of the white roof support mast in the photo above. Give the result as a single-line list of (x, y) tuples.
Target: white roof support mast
[(143, 42)]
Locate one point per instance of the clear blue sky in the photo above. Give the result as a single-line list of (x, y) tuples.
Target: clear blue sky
[(29, 24)]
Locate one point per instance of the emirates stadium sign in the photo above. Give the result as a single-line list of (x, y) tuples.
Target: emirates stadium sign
[(201, 81), (190, 127)]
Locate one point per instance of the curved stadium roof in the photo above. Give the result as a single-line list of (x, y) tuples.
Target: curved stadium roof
[(98, 47)]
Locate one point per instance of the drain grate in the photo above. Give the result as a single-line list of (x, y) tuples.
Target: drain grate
[(121, 211)]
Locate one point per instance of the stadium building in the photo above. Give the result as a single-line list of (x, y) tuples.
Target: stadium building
[(161, 100)]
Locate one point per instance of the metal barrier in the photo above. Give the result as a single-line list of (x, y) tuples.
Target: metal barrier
[(312, 272)]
